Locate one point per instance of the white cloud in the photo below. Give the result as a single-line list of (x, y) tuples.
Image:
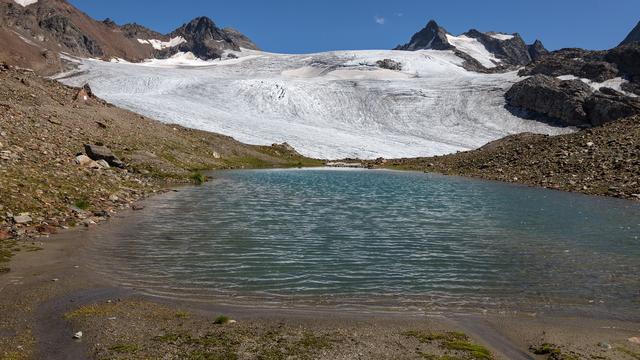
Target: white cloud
[(399, 14), (379, 20)]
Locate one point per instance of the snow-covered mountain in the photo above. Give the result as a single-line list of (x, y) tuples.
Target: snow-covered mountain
[(327, 105), (481, 51)]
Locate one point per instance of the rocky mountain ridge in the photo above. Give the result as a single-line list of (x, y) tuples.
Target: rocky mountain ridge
[(481, 51), (634, 36), (37, 33)]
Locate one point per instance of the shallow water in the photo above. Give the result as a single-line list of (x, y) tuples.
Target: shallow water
[(362, 238)]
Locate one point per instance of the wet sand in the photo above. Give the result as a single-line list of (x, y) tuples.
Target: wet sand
[(51, 294)]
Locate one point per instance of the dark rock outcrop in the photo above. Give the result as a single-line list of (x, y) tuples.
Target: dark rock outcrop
[(634, 36), (577, 62), (389, 64), (433, 36), (137, 31), (512, 51), (608, 105), (571, 102), (537, 50), (69, 35), (557, 99), (205, 40), (627, 59), (101, 152)]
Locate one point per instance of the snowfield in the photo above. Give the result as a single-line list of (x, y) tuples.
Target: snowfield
[(329, 105)]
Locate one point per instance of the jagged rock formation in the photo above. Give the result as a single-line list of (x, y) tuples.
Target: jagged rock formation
[(501, 51), (207, 41), (634, 36), (577, 62), (571, 102), (537, 50), (433, 36)]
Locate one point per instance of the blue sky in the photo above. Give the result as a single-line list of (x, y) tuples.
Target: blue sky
[(298, 26)]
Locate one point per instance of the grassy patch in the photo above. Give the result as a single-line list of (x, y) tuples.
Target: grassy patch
[(182, 315), (82, 204), (198, 178), (90, 311), (456, 342), (125, 348)]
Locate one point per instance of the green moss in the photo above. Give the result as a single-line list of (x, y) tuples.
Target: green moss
[(82, 204), (452, 341), (125, 348), (544, 349), (198, 178), (182, 315)]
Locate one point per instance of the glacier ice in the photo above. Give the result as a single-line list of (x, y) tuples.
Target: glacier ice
[(328, 105)]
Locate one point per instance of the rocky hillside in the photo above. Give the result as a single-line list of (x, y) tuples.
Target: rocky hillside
[(481, 51), (598, 161), (634, 36), (35, 34), (68, 158), (575, 87)]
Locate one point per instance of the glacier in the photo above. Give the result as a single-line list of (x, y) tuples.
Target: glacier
[(330, 105)]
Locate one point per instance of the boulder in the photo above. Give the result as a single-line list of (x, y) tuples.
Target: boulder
[(83, 160), (101, 152), (22, 219), (608, 105), (558, 99), (389, 64)]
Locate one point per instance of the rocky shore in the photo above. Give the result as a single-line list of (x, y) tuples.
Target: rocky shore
[(597, 161), (70, 159)]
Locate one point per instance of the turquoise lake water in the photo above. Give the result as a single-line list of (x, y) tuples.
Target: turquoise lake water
[(364, 238)]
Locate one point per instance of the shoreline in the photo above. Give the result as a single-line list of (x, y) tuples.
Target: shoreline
[(46, 286)]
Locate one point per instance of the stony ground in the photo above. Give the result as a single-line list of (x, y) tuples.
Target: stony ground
[(598, 161), (42, 130)]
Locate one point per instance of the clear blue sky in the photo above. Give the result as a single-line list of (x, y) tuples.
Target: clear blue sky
[(300, 26)]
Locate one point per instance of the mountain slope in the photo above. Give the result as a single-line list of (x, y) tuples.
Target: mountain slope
[(634, 36), (482, 51), (39, 31)]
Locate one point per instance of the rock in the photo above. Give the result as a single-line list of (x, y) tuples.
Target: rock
[(22, 219), (94, 165), (634, 340), (558, 99), (512, 51), (78, 335), (4, 235), (47, 229), (103, 164), (577, 62), (113, 198), (627, 59), (389, 64), (137, 207), (604, 345), (102, 213), (433, 36), (83, 160), (608, 105), (100, 152), (537, 50)]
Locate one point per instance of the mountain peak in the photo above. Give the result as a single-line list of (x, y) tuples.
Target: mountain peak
[(634, 36), (433, 36)]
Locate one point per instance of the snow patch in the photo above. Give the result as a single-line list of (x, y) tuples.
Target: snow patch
[(615, 83), (161, 45), (502, 37), (25, 3), (475, 49)]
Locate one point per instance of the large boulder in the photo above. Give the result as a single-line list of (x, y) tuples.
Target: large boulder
[(562, 100), (101, 152), (608, 105)]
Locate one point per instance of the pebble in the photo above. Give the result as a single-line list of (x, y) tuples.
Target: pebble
[(604, 345), (78, 335), (634, 340), (22, 219), (590, 144)]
